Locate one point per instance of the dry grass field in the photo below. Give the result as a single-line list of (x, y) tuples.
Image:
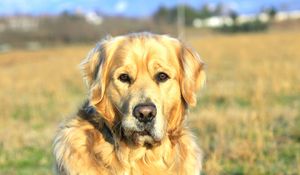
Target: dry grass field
[(247, 119)]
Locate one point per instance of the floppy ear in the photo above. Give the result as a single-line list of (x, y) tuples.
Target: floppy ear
[(193, 75), (92, 68)]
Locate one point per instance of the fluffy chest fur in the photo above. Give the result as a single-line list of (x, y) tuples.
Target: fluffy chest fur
[(85, 146)]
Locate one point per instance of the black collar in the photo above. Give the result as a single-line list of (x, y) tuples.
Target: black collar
[(90, 114)]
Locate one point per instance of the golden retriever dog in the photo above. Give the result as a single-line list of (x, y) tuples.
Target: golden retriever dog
[(134, 121)]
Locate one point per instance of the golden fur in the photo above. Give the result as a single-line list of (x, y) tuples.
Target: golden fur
[(104, 137)]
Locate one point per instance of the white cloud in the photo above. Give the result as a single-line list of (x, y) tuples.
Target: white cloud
[(121, 6)]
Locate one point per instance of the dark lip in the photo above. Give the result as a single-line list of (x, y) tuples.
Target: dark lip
[(133, 133), (142, 133)]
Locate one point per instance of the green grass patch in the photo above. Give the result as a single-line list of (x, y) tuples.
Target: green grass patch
[(23, 112), (28, 160), (288, 99)]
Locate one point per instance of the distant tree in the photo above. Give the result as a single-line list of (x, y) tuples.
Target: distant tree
[(161, 14), (190, 14), (164, 14), (70, 15), (205, 12), (272, 12), (233, 15), (169, 15), (173, 15), (66, 13), (219, 10)]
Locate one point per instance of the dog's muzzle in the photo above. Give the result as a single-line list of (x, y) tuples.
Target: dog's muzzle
[(142, 130)]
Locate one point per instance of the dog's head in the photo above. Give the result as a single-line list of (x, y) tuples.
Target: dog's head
[(142, 84)]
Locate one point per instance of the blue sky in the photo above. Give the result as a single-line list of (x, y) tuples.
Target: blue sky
[(132, 8)]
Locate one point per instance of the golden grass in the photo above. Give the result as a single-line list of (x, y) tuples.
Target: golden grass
[(250, 107), (247, 117)]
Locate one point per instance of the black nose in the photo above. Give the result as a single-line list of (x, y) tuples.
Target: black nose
[(144, 112)]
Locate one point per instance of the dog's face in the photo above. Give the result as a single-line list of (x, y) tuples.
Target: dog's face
[(142, 84)]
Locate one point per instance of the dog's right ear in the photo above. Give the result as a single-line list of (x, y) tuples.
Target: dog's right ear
[(92, 69), (91, 64)]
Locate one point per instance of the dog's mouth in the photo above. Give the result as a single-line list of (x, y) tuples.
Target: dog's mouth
[(141, 138), (141, 133)]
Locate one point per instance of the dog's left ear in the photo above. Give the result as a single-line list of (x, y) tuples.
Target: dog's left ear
[(193, 74)]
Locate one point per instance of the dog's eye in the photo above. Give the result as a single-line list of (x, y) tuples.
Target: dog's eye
[(125, 78), (161, 77)]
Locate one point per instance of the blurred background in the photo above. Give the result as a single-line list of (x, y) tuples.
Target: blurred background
[(248, 116)]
